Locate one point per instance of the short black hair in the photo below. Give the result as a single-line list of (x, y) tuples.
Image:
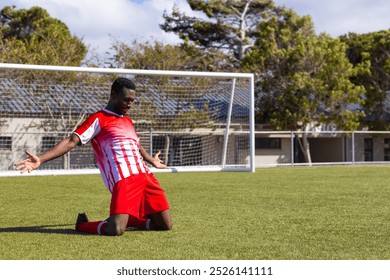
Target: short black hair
[(120, 83)]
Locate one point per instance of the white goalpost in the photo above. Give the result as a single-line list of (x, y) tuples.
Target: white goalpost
[(200, 121)]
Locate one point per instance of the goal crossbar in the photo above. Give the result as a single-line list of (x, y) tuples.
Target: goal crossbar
[(14, 66)]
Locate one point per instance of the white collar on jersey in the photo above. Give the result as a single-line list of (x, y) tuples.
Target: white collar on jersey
[(112, 113)]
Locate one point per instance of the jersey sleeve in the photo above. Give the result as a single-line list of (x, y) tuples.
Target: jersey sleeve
[(88, 129)]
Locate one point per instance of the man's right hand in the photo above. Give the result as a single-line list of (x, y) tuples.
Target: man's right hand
[(29, 164)]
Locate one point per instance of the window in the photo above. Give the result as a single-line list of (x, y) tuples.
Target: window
[(48, 142), (368, 149), (242, 142), (268, 143), (5, 143), (387, 149)]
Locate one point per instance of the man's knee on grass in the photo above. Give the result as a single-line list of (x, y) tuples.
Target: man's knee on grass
[(168, 226), (115, 230), (162, 222), (116, 225)]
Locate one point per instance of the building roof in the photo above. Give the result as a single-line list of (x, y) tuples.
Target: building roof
[(34, 99), (52, 100)]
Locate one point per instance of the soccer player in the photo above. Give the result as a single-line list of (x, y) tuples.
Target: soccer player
[(137, 199)]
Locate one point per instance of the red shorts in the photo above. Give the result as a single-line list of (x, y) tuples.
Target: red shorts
[(138, 195)]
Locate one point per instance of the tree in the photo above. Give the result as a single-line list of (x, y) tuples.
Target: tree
[(371, 52), (231, 28), (157, 56), (303, 79), (31, 36)]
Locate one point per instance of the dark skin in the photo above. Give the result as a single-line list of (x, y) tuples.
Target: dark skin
[(118, 103)]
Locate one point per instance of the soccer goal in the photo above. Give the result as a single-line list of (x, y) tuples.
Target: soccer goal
[(200, 121)]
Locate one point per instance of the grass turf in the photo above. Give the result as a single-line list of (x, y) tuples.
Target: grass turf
[(303, 213)]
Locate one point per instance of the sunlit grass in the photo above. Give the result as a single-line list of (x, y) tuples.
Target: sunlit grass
[(276, 213)]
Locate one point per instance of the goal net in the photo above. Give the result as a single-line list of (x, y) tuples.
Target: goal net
[(199, 121)]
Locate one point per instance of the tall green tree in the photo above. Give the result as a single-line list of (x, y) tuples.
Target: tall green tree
[(31, 36), (303, 79), (231, 27), (371, 52)]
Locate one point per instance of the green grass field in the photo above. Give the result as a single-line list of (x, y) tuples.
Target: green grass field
[(300, 213)]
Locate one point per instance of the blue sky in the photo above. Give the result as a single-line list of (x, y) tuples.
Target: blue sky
[(100, 22)]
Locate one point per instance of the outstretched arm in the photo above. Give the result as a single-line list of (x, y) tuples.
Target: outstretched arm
[(155, 160), (33, 161)]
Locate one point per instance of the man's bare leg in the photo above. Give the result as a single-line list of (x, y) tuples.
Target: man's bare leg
[(116, 224), (162, 220)]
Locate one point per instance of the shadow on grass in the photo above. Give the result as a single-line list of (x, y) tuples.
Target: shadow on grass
[(42, 229), (51, 229)]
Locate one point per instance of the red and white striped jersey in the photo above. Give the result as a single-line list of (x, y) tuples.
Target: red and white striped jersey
[(115, 144)]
